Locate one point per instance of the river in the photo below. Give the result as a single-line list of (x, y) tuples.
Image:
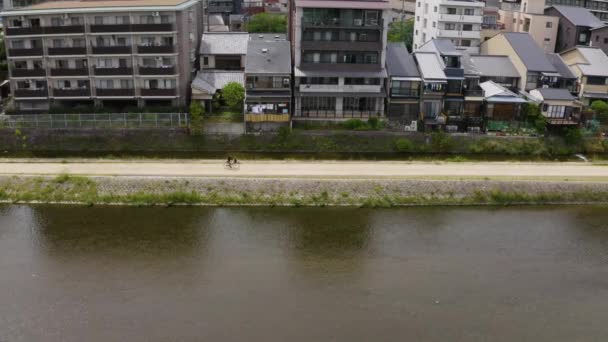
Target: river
[(303, 274)]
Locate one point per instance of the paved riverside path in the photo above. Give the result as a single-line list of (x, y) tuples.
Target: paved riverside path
[(306, 169)]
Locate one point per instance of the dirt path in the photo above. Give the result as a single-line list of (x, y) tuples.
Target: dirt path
[(304, 169)]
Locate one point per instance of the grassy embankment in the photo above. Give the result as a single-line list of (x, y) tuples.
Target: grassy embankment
[(85, 191)]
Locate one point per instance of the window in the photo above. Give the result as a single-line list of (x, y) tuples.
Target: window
[(318, 103), (450, 26), (78, 42), (555, 111), (55, 21), (365, 104), (58, 43), (592, 80), (469, 11), (467, 27), (549, 24), (16, 23), (205, 61), (582, 38), (20, 64), (74, 21), (451, 10), (122, 20), (465, 42), (17, 44), (98, 20)]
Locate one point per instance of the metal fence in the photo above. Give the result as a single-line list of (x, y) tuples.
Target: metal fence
[(99, 121)]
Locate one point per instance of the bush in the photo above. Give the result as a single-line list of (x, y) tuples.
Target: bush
[(573, 136), (441, 142), (233, 94), (196, 118), (267, 23), (535, 117), (595, 146), (601, 110), (404, 145), (354, 124)]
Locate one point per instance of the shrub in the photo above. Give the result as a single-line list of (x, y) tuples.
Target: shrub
[(595, 146), (196, 118), (404, 145), (535, 117), (601, 110), (233, 94), (354, 124), (573, 136), (373, 123), (441, 142)]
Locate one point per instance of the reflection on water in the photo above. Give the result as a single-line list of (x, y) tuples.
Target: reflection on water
[(283, 274)]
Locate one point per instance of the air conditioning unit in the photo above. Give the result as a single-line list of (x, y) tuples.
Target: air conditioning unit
[(358, 22), (286, 81), (156, 14)]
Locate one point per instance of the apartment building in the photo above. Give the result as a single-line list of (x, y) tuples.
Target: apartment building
[(457, 20), (339, 50), (530, 18), (598, 7), (575, 26), (108, 53)]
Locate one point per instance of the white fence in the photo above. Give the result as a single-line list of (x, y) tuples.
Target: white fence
[(100, 121)]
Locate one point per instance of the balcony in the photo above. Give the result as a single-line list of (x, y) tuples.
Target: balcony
[(151, 27), (31, 93), (329, 67), (64, 29), (155, 49), (454, 72), (115, 92), (25, 52), (112, 71), (67, 51), (23, 31), (459, 34), (338, 23), (465, 3), (72, 92), (111, 50), (158, 92), (157, 71), (28, 73), (250, 117), (341, 45), (110, 28), (456, 18), (70, 72)]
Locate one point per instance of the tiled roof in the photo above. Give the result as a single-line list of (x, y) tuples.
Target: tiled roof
[(228, 43), (399, 62), (529, 52), (211, 81), (579, 16)]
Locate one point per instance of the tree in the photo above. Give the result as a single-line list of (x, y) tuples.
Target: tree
[(535, 117), (402, 32), (267, 23), (601, 110), (196, 118), (233, 94)]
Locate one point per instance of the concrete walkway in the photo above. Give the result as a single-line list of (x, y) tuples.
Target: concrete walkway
[(304, 169)]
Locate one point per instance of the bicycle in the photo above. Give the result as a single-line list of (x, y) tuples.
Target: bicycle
[(232, 166)]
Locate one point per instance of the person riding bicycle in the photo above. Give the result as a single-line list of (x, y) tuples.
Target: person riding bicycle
[(229, 162)]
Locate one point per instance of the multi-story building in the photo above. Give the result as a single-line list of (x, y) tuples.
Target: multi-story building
[(339, 50), (529, 17), (598, 7), (457, 20), (575, 26), (115, 53), (590, 65)]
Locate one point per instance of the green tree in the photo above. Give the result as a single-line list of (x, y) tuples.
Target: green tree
[(402, 32), (233, 94), (601, 110), (196, 118), (534, 116), (267, 23)]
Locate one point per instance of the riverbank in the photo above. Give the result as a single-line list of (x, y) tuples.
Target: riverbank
[(244, 191)]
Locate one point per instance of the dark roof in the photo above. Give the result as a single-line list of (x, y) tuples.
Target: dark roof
[(488, 66), (399, 62), (579, 16), (561, 66), (529, 52), (268, 57), (556, 94)]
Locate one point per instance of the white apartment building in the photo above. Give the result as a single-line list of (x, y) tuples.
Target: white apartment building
[(457, 20)]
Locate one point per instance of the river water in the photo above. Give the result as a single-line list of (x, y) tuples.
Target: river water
[(285, 274)]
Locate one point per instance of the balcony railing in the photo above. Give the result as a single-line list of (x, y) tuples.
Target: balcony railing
[(28, 72), (111, 50), (342, 45), (62, 51), (31, 93), (23, 31), (64, 29), (70, 72), (25, 52), (157, 71), (115, 92), (405, 92), (158, 92), (251, 117), (338, 23), (110, 28), (152, 27), (155, 49), (112, 71), (71, 92)]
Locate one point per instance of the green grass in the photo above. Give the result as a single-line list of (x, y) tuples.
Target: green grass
[(82, 190)]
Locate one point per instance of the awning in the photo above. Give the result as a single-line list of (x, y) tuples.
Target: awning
[(406, 79), (596, 95), (551, 74), (498, 99)]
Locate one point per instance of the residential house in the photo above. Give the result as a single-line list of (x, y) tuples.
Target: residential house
[(575, 26), (500, 106), (459, 21), (106, 53), (559, 106), (590, 65), (529, 17), (536, 68), (339, 52), (404, 85), (599, 38), (268, 84), (223, 57), (598, 7), (450, 56), (501, 79)]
